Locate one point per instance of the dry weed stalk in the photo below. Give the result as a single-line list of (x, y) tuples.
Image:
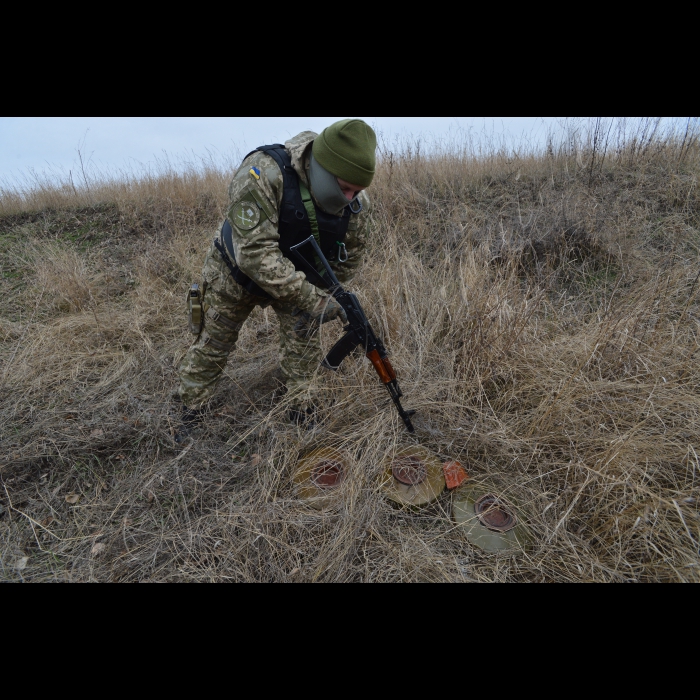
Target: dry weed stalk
[(543, 314)]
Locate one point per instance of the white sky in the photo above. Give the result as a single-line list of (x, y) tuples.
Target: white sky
[(50, 144)]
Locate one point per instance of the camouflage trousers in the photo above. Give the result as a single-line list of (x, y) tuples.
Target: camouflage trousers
[(228, 306)]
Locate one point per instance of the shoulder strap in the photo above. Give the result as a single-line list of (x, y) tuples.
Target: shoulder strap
[(265, 149), (291, 201), (311, 211)]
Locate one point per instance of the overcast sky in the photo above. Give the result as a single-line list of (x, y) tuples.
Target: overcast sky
[(112, 143)]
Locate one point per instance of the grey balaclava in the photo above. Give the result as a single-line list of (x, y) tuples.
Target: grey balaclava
[(326, 189)]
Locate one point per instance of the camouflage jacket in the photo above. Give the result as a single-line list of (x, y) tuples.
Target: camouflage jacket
[(257, 252)]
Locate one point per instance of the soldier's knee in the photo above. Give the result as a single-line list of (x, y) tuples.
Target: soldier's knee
[(308, 353), (207, 341), (291, 342), (220, 332), (224, 322)]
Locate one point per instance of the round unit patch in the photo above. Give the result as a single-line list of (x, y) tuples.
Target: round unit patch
[(246, 215)]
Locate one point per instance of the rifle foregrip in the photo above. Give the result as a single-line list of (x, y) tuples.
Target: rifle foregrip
[(389, 369), (379, 365)]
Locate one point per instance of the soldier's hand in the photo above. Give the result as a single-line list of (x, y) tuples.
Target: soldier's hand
[(327, 309)]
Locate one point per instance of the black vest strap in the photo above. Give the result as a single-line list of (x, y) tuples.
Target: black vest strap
[(230, 260), (294, 225)]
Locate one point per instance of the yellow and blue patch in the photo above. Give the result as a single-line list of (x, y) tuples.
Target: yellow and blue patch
[(255, 173)]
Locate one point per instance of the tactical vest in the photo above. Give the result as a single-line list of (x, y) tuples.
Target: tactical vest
[(294, 227)]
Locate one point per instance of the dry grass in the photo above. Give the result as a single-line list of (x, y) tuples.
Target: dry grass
[(542, 311)]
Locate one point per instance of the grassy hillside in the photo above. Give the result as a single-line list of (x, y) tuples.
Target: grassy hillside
[(542, 311)]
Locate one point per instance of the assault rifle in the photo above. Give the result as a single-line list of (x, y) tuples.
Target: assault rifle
[(358, 333)]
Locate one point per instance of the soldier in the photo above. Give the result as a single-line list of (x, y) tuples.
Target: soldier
[(279, 197)]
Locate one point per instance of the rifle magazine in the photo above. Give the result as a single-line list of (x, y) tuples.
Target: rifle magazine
[(344, 347)]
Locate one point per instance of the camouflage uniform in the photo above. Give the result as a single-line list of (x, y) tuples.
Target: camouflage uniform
[(258, 256)]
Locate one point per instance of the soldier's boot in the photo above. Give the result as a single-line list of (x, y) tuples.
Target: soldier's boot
[(306, 417), (190, 420)]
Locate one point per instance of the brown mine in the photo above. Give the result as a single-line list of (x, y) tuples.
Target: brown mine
[(494, 515), (409, 471), (327, 474)]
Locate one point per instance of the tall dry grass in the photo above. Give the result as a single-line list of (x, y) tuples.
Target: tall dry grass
[(542, 312)]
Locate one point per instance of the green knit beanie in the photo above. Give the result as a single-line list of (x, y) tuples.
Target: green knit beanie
[(348, 150)]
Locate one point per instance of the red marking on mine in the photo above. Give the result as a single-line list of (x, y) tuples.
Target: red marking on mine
[(494, 515), (409, 471), (327, 474)]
